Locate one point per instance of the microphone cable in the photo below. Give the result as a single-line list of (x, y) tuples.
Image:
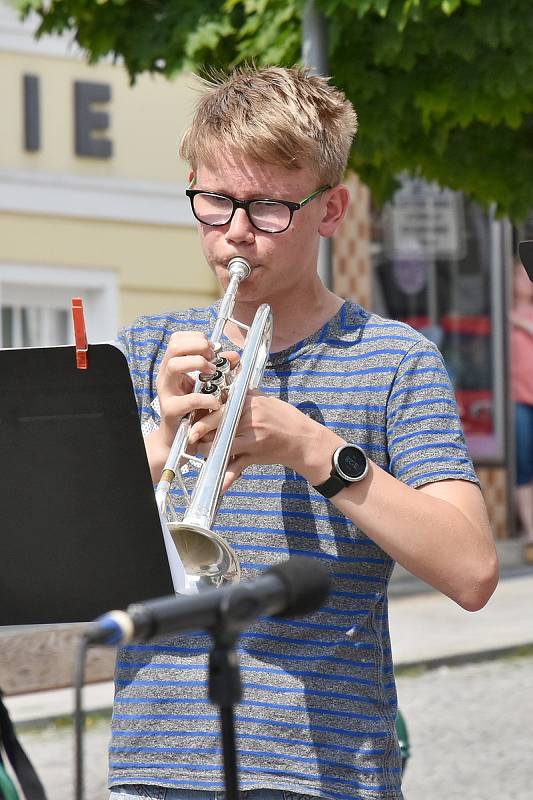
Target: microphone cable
[(79, 715)]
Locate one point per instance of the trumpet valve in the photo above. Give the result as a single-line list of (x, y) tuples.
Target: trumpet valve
[(212, 378), (212, 389), (222, 364), (212, 383)]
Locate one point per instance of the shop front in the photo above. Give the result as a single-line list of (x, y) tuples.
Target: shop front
[(441, 263)]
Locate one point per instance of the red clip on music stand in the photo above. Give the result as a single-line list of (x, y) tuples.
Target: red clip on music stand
[(80, 333)]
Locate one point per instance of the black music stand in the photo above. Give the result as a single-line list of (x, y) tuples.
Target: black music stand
[(79, 528)]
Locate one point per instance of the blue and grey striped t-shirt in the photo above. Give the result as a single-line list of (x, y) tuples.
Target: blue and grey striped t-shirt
[(319, 707)]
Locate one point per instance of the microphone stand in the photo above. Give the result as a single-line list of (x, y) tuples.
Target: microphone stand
[(225, 691), (289, 589)]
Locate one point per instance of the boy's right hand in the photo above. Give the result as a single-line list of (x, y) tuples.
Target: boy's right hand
[(187, 351)]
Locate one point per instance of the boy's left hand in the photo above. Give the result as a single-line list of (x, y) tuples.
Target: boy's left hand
[(270, 431)]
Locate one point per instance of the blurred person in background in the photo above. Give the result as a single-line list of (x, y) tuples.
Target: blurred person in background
[(522, 393)]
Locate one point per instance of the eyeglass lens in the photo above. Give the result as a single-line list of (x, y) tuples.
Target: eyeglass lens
[(267, 215)]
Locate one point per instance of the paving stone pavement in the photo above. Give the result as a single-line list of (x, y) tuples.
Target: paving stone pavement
[(470, 728), (51, 750), (471, 731)]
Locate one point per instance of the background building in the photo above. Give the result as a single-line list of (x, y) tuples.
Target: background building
[(92, 204), (91, 192)]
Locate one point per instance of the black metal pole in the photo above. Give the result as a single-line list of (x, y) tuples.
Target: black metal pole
[(225, 690), (229, 753)]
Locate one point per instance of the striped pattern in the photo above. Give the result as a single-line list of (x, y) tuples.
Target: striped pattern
[(319, 707)]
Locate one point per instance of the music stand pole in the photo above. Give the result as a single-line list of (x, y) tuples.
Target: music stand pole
[(225, 690)]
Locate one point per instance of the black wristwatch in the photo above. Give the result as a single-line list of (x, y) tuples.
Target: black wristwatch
[(349, 464)]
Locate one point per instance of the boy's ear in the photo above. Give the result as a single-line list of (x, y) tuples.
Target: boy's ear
[(338, 200)]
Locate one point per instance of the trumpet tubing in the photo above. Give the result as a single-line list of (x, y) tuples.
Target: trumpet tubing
[(206, 557)]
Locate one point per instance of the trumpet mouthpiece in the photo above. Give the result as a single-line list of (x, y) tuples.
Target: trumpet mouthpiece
[(239, 266)]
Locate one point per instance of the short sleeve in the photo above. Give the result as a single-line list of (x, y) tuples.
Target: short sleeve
[(425, 438), (137, 344)]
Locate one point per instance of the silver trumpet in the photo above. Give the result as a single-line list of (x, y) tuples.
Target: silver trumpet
[(207, 560)]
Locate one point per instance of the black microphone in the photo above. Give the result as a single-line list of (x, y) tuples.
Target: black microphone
[(525, 251), (293, 587)]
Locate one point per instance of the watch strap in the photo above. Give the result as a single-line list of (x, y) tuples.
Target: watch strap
[(331, 486)]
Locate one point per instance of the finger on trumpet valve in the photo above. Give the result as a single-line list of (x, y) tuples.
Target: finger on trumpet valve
[(208, 378), (212, 389)]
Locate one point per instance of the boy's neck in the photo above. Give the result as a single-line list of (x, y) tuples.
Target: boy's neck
[(293, 320)]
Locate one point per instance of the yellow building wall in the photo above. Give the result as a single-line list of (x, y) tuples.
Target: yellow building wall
[(146, 120), (159, 267)]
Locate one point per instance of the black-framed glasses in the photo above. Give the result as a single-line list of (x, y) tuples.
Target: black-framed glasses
[(269, 216)]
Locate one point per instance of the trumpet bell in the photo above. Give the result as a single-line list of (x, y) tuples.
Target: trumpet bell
[(208, 561)]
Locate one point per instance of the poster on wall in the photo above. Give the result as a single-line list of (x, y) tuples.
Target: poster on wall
[(425, 221)]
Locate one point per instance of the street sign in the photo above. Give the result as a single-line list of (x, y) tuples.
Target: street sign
[(424, 222)]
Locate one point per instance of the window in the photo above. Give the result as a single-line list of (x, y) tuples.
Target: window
[(35, 305), (438, 264)]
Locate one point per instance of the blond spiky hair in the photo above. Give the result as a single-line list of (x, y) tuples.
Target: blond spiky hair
[(274, 115)]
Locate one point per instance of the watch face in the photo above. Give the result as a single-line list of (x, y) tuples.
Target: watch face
[(351, 462)]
